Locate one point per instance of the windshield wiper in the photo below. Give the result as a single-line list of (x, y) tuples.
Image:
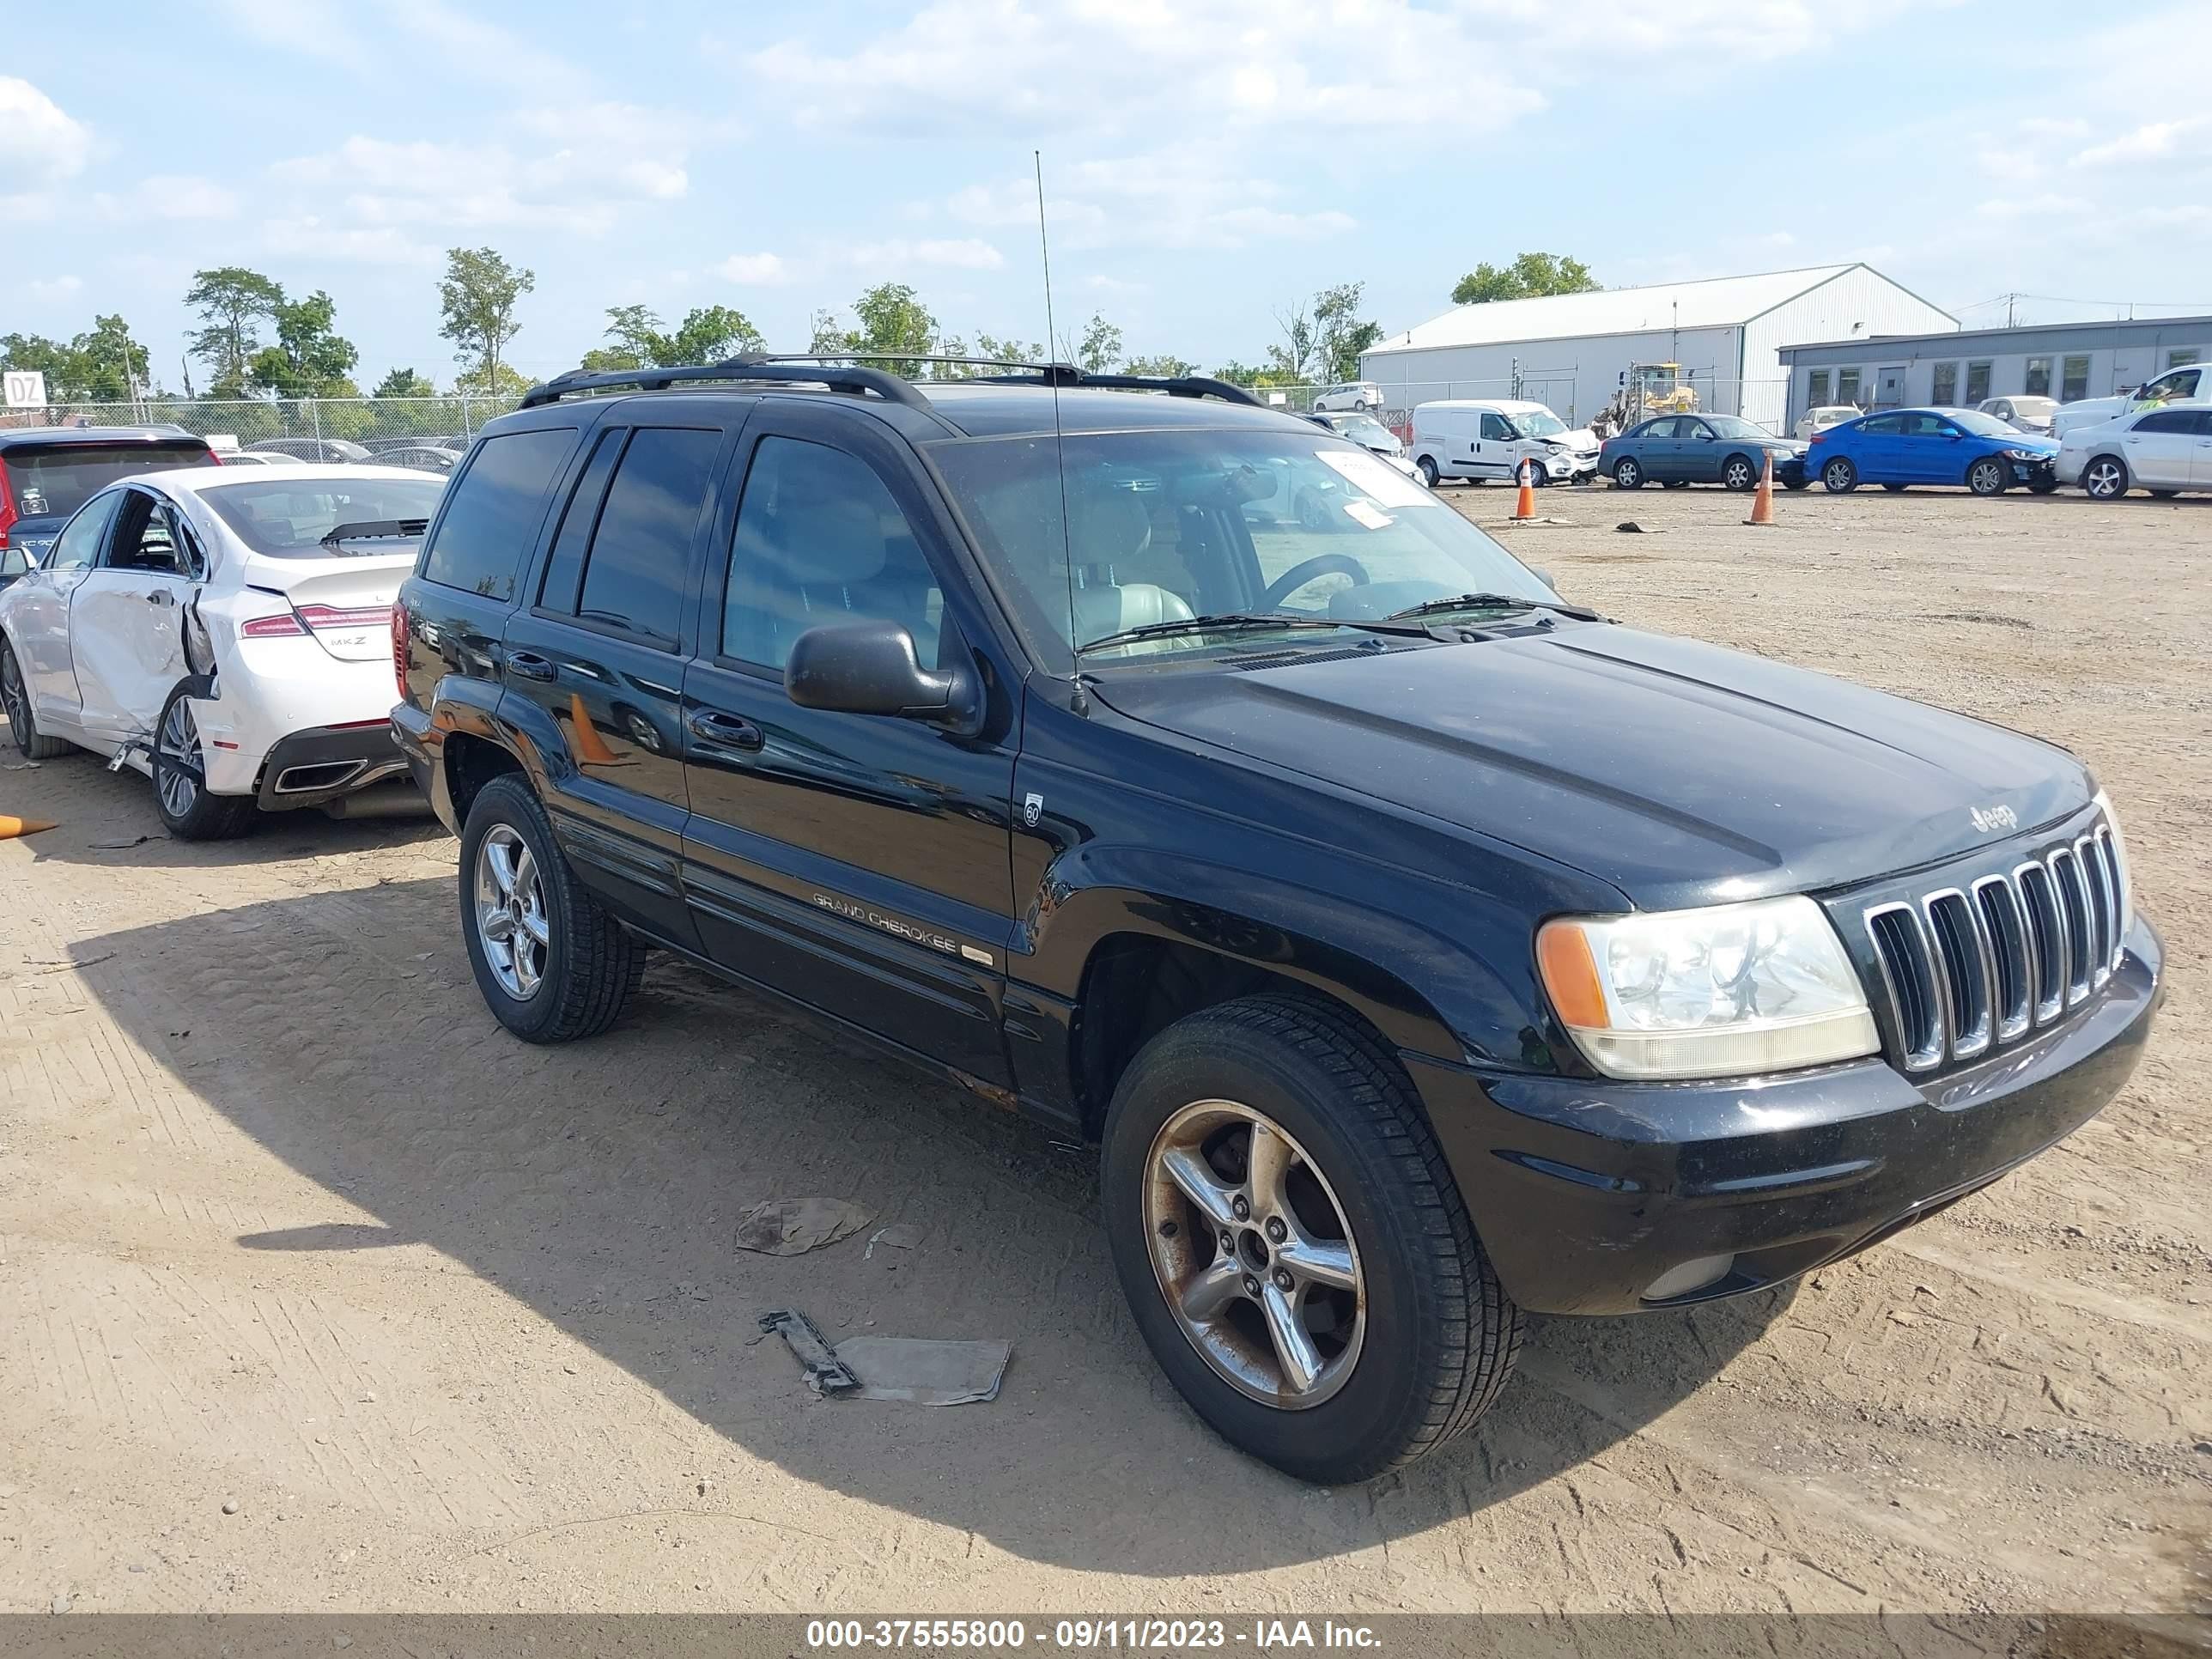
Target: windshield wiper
[(1491, 602), (364, 529), (1236, 621)]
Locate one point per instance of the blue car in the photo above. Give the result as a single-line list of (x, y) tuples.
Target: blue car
[(1897, 448)]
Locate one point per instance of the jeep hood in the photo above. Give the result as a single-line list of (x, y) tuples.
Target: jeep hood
[(1679, 772)]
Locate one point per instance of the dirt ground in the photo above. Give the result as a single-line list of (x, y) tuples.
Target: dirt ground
[(317, 1292)]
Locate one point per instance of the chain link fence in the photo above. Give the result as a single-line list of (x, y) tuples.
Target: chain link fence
[(327, 429)]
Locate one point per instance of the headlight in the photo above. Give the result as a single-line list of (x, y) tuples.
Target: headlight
[(1733, 990), (2024, 455), (2120, 855)]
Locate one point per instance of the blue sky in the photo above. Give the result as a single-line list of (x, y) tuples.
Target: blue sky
[(1208, 163)]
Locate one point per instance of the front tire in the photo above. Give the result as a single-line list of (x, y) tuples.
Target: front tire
[(1739, 474), (188, 812), (1840, 477), (1988, 475), (2106, 478), (16, 698), (1627, 474), (1350, 1324), (552, 964), (1427, 469)]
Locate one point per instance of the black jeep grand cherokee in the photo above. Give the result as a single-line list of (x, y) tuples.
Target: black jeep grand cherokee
[(1421, 948)]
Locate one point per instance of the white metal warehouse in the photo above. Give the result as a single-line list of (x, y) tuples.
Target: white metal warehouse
[(1571, 350)]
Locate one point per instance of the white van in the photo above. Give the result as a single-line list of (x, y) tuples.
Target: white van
[(2183, 384), (1352, 395), (1481, 438)]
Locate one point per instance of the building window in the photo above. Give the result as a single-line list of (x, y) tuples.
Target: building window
[(1847, 386), (1943, 390), (2180, 356), (1816, 388), (2039, 377), (2074, 379), (1977, 382)]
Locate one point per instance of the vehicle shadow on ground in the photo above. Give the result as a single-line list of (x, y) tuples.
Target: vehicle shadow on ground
[(599, 1186)]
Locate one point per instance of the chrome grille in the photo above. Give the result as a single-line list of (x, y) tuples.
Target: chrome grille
[(1967, 968)]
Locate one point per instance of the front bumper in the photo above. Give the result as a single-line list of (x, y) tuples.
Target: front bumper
[(326, 763), (2045, 467), (1586, 1192), (1789, 469)]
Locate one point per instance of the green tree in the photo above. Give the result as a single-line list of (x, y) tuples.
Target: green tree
[(232, 301), (1165, 366), (1008, 350), (310, 358), (709, 335), (1530, 276), (1340, 336), (51, 358), (478, 296), (633, 332), (1101, 349), (895, 329), (404, 383), (108, 362), (498, 380)]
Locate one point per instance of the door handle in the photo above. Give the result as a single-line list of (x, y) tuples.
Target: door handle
[(160, 596), (529, 665), (732, 730)]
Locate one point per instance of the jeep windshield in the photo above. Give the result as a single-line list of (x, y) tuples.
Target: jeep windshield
[(1187, 525)]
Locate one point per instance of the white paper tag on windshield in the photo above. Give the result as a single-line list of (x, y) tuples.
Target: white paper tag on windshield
[(1368, 514), (1373, 477)]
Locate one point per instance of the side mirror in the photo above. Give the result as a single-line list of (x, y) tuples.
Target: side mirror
[(1545, 577), (870, 668)]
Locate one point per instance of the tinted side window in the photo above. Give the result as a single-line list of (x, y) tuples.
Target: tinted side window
[(491, 522), (2168, 420), (819, 540), (566, 567), (1883, 426), (1663, 428), (1495, 428), (635, 575)]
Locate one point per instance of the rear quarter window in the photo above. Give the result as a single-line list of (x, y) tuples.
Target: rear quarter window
[(491, 521), (54, 480)]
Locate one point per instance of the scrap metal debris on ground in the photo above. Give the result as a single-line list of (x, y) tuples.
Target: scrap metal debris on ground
[(900, 1237), (908, 1370), (825, 1372), (792, 1226)]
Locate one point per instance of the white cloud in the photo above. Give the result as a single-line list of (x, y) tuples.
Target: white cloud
[(2154, 142), (1167, 198), (169, 196), (2043, 206), (54, 288), (756, 270), (962, 253), (383, 183), (39, 141), (311, 236)]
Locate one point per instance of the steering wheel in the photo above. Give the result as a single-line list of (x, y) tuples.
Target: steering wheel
[(1322, 564)]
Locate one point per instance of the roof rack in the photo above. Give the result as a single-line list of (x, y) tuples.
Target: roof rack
[(1184, 386), (805, 368), (890, 388)]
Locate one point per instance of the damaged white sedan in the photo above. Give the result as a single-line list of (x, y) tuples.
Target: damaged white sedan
[(226, 633)]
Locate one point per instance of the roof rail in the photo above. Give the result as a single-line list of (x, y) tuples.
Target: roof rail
[(890, 388), (1184, 386)]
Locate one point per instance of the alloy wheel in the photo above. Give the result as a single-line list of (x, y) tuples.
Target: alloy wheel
[(1627, 475), (512, 924), (2106, 480), (177, 748), (1739, 475), (1253, 1253), (12, 698)]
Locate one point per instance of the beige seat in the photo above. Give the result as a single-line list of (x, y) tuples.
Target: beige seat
[(1108, 532)]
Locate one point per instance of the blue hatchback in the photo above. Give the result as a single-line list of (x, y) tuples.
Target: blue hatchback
[(1896, 447)]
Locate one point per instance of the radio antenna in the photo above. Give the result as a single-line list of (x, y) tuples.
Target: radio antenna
[(1059, 442)]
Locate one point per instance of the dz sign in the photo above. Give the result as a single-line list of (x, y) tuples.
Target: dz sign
[(26, 388)]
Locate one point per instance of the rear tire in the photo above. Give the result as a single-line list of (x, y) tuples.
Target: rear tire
[(1427, 469), (1840, 477), (1627, 473), (1428, 1337), (188, 812), (1988, 475), (2106, 478), (561, 968), (16, 698)]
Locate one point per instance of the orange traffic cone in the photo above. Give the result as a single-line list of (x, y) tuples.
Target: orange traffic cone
[(590, 748), (1525, 507), (1762, 504), (11, 828)]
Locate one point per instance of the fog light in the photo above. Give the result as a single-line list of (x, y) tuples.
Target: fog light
[(1692, 1275)]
